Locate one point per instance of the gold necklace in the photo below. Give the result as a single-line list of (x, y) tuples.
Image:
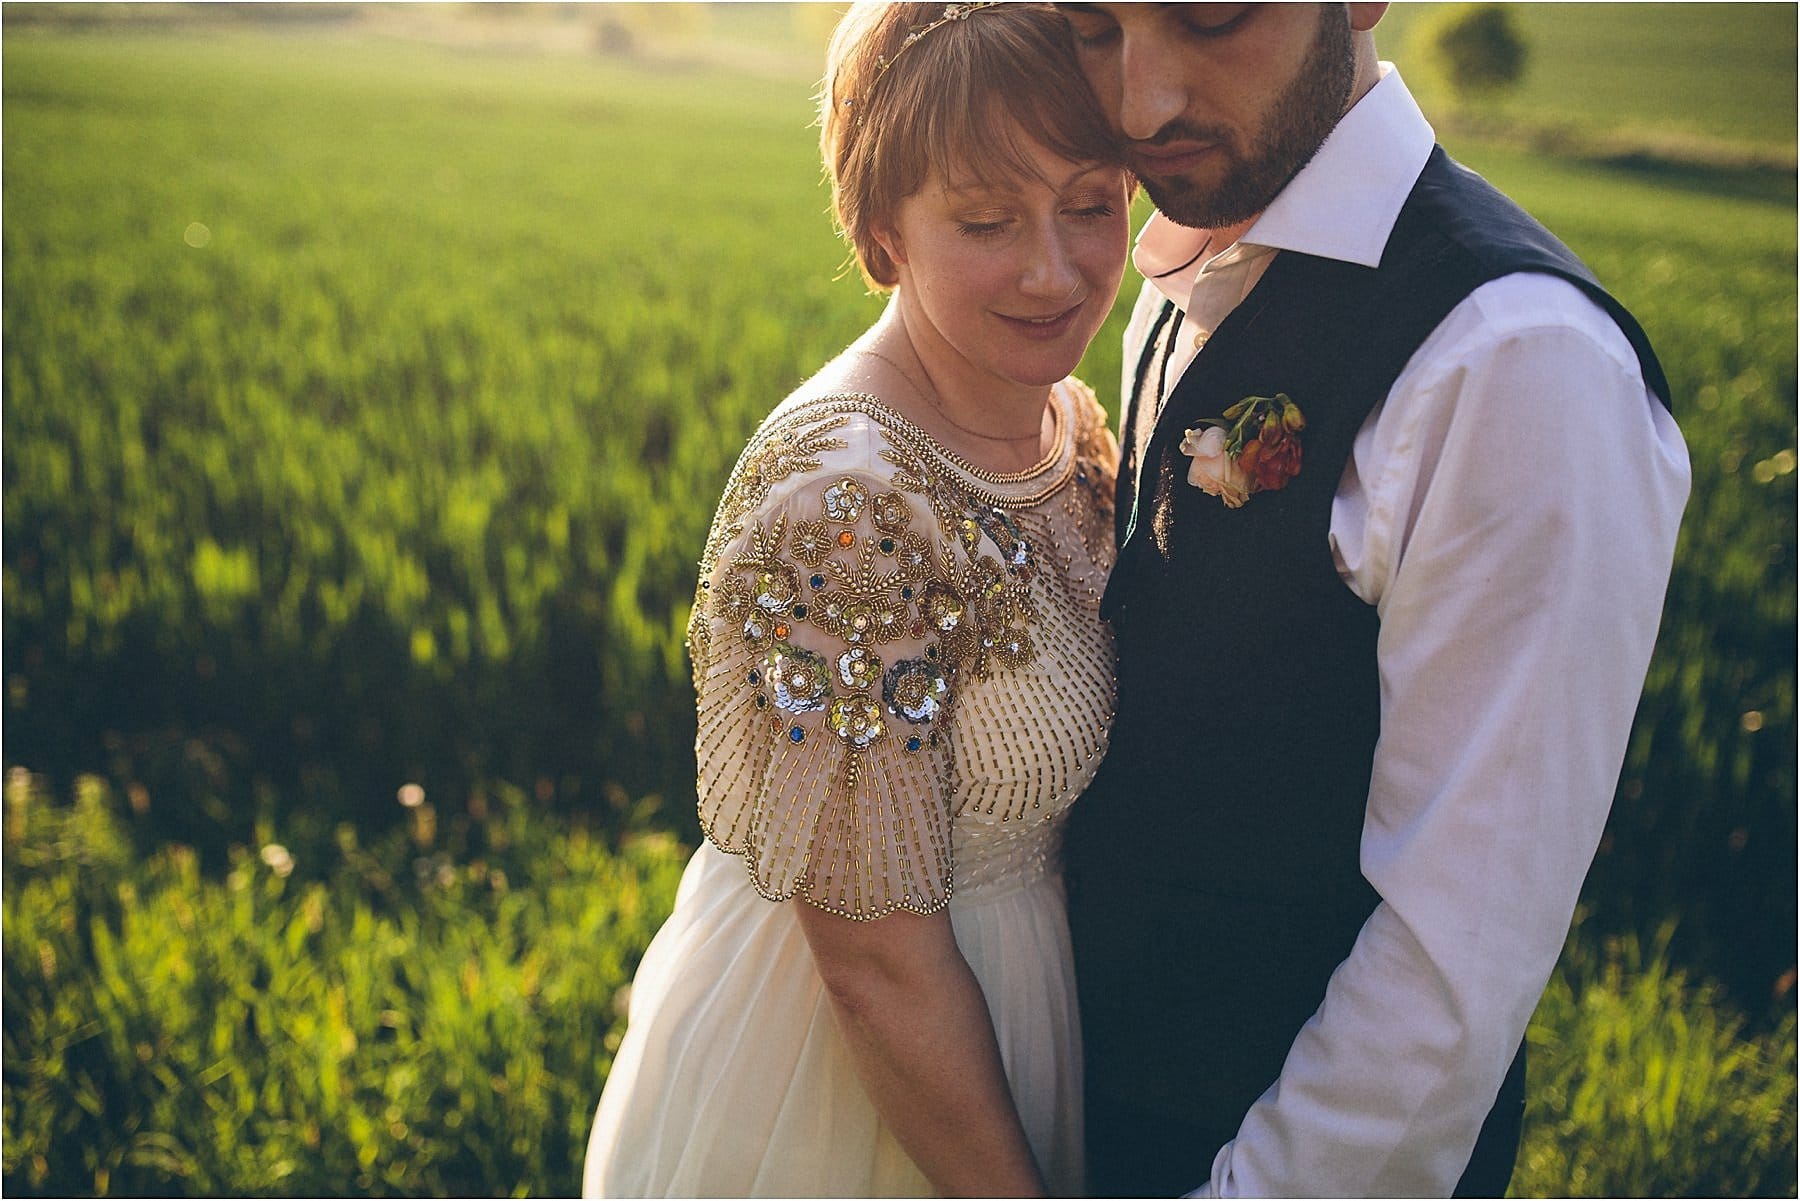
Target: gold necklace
[(921, 443), (932, 400)]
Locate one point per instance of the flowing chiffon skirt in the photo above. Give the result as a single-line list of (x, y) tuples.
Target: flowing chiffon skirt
[(733, 1080)]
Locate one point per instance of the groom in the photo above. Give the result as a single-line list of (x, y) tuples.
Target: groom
[(1398, 503)]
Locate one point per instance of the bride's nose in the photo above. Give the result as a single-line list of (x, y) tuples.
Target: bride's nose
[(1050, 270)]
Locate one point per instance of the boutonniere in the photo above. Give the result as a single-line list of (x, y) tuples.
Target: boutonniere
[(1254, 447)]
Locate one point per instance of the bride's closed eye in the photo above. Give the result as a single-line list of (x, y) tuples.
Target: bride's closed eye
[(987, 229), (982, 227), (1093, 209)]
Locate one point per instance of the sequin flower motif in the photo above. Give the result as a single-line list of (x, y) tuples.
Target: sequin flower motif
[(916, 690), (799, 678), (1254, 447), (855, 719)]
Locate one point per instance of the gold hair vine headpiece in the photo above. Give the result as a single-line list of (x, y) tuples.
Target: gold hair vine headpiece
[(952, 12)]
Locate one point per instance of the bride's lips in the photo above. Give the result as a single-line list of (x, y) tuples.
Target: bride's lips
[(1047, 328), (1173, 158)]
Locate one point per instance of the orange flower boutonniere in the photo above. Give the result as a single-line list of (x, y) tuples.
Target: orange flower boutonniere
[(1254, 447)]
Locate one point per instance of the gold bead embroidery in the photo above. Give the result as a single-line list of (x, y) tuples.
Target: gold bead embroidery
[(867, 783)]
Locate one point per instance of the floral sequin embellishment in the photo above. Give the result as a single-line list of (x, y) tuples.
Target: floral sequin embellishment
[(1014, 648), (775, 587), (891, 515), (844, 501), (856, 719), (860, 617), (759, 629), (798, 677), (859, 668), (915, 689), (1015, 551), (941, 607)]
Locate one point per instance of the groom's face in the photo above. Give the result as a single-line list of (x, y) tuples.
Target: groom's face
[(1219, 105)]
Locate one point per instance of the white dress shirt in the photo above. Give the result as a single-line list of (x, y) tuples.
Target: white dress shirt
[(1510, 509)]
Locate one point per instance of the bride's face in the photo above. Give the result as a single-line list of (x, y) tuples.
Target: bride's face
[(1015, 277)]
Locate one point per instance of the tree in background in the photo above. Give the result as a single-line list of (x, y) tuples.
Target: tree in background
[(1478, 48)]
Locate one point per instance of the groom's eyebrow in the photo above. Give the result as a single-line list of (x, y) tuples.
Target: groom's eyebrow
[(1098, 10), (1095, 10)]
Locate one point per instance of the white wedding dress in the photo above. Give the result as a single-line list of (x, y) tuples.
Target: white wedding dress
[(903, 684)]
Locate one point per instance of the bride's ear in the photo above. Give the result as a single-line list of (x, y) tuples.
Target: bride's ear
[(888, 239)]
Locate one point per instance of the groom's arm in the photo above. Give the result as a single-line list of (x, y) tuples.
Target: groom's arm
[(1514, 522)]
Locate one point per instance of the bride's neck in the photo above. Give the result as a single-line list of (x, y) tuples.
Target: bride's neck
[(996, 424)]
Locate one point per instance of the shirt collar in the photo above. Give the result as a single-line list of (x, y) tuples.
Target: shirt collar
[(1342, 204)]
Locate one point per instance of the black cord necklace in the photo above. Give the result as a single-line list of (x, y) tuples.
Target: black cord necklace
[(1204, 247)]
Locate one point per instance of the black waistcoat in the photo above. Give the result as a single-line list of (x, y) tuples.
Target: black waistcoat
[(1213, 864)]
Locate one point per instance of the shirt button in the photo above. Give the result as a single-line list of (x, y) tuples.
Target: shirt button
[(1200, 337)]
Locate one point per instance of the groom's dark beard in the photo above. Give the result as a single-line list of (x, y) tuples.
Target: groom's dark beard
[(1298, 124)]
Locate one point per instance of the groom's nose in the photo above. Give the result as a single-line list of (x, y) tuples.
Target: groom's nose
[(1152, 85)]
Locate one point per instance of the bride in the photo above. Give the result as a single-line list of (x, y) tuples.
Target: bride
[(865, 986)]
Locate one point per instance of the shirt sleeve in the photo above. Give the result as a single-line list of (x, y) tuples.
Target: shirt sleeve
[(1512, 512), (821, 746)]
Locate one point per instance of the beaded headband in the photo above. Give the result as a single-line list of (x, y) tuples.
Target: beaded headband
[(952, 12)]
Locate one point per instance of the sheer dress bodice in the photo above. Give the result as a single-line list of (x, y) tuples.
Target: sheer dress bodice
[(903, 679)]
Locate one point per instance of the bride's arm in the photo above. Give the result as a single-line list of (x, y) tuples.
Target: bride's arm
[(918, 1027)]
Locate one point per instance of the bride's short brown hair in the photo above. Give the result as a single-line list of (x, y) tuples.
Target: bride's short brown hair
[(966, 98)]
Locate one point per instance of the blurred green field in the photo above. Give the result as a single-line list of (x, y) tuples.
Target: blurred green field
[(1672, 75), (428, 422), (365, 403)]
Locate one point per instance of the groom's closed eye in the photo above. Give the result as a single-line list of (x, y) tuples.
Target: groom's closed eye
[(1094, 27), (1210, 19), (1089, 24)]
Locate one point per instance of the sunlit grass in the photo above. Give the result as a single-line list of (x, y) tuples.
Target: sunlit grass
[(432, 1013), (364, 408)]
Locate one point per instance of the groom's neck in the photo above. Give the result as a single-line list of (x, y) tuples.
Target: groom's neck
[(1226, 237)]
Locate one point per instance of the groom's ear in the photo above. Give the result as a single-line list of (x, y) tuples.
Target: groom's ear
[(1364, 17)]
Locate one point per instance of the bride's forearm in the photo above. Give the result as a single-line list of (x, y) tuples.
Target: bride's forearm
[(918, 1029)]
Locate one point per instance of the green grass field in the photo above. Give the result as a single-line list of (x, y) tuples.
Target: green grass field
[(1684, 75), (365, 402)]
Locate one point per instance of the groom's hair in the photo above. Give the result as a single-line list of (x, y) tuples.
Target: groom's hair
[(965, 99)]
